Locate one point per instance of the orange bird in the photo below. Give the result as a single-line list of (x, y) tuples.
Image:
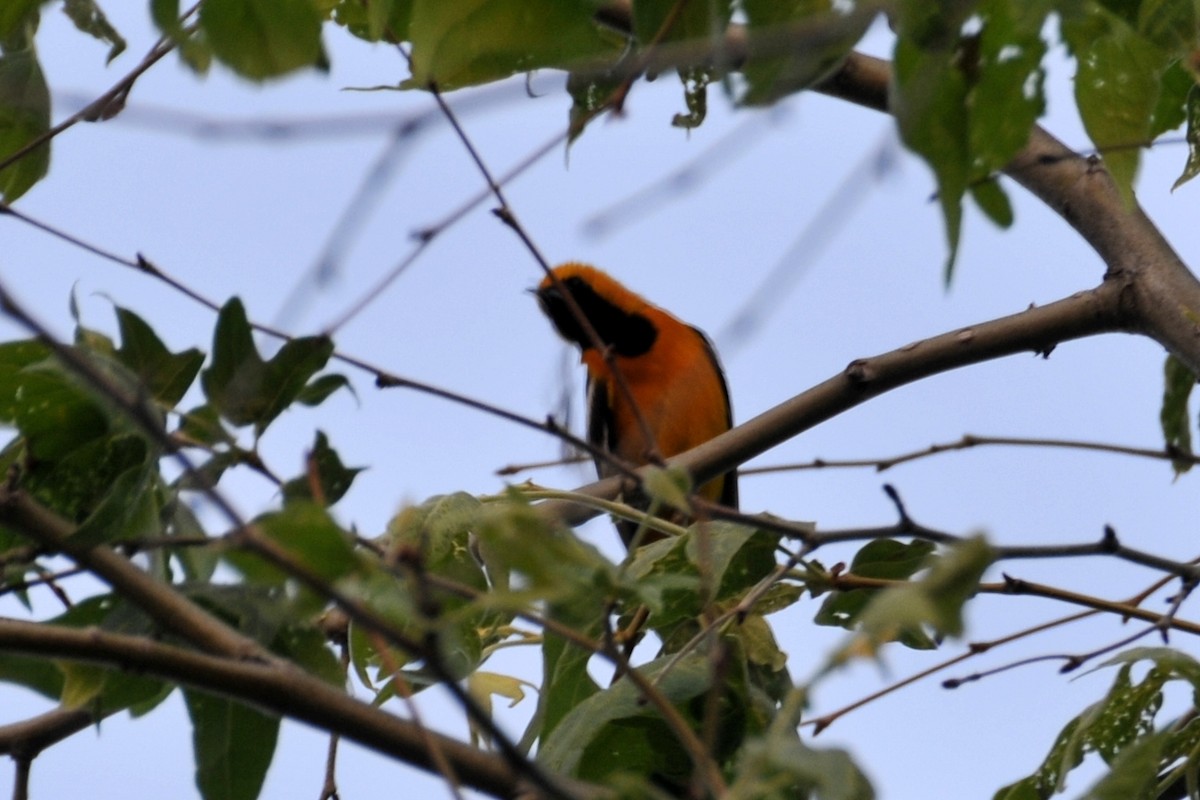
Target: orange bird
[(669, 366)]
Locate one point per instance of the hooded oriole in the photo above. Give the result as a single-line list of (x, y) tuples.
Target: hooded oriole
[(669, 366)]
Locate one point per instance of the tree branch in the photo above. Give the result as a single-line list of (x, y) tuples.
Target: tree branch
[(162, 603), (291, 693), (1037, 330)]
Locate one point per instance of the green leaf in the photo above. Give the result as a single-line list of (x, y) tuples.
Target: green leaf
[(1120, 728), (24, 117), (657, 22), (74, 443), (469, 42), (514, 538), (319, 390), (1025, 789), (1192, 168), (88, 18), (738, 556), (882, 558), (199, 563), (936, 599), (782, 766), (191, 42), (326, 474), (203, 425), (18, 14), (78, 685), (234, 745), (38, 674), (565, 679), (130, 510), (668, 486), (103, 690), (313, 539), (1170, 24), (375, 20), (167, 375), (991, 199), (244, 388), (308, 647), (616, 730), (14, 358), (1117, 88), (1171, 112), (260, 39), (1173, 417), (1134, 773), (820, 36), (590, 91), (165, 14), (1006, 97), (929, 102)]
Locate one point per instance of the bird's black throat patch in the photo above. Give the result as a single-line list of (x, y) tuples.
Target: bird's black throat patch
[(628, 333)]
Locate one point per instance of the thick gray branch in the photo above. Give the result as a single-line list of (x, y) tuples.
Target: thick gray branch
[(289, 693)]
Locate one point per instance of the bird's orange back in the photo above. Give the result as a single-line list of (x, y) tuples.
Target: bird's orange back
[(669, 366)]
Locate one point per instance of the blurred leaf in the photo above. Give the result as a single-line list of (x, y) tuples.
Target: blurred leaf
[(929, 101), (823, 34), (243, 387), (935, 599), (1025, 789), (326, 471), (1171, 111), (781, 766), (88, 18), (191, 42), (1006, 96), (375, 20), (566, 682), (658, 22), (1170, 24), (203, 425), (165, 14), (515, 538), (886, 559), (319, 390), (38, 674), (234, 746), (260, 39), (313, 539), (590, 90), (103, 690), (167, 375), (206, 475), (668, 486), (15, 14), (83, 685), (991, 199), (129, 511), (198, 563), (1192, 168), (1120, 728), (469, 42), (740, 556), (436, 536), (1173, 417), (616, 730), (308, 647), (24, 117), (76, 483), (1134, 772), (1117, 87)]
